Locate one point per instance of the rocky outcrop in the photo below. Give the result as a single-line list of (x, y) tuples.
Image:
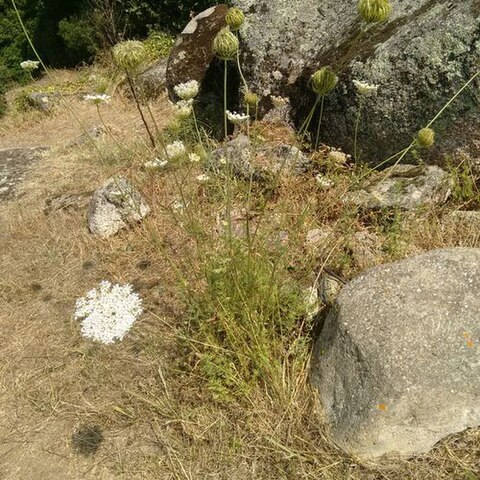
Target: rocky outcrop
[(397, 362), (192, 53), (419, 58), (406, 187), (151, 83), (115, 206), (14, 165)]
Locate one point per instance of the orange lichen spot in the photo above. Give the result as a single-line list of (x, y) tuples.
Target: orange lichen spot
[(382, 407)]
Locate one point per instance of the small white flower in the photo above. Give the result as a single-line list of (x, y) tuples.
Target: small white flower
[(155, 164), (279, 102), (183, 109), (277, 75), (29, 65), (175, 150), (336, 157), (324, 182), (194, 158), (97, 99), (187, 90), (364, 88), (237, 118), (222, 161), (108, 312), (203, 178), (178, 205)]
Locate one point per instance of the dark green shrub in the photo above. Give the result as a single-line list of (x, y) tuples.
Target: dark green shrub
[(79, 37)]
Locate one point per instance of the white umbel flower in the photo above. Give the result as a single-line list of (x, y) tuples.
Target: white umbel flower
[(364, 88), (194, 158), (237, 118), (203, 178), (187, 90), (175, 150), (279, 102), (29, 65), (183, 109), (324, 182), (97, 99), (108, 312), (155, 164)]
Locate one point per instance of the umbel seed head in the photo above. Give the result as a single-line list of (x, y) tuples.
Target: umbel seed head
[(129, 55), (235, 18), (374, 10), (324, 81), (425, 138), (251, 99), (225, 45)]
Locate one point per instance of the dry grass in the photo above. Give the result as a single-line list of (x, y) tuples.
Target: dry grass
[(140, 409)]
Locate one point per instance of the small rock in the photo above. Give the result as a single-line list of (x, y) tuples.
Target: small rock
[(397, 363), (42, 101), (319, 238), (239, 153), (365, 248), (87, 137), (116, 205), (290, 158), (467, 218), (406, 187)]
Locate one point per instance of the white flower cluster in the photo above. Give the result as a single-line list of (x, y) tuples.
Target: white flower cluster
[(324, 182), (237, 118), (364, 88), (97, 99), (29, 65), (279, 102), (108, 312), (155, 164), (203, 178), (194, 158), (183, 108), (175, 150), (188, 90)]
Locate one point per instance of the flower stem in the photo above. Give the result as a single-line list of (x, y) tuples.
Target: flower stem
[(137, 102), (225, 79), (357, 124), (319, 122), (306, 124)]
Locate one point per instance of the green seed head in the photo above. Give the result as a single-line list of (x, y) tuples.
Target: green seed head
[(425, 138), (225, 45), (251, 99), (374, 10), (235, 18), (129, 55), (324, 81)]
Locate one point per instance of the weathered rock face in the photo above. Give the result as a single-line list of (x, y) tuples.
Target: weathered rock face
[(406, 187), (192, 54), (43, 101), (397, 364), (115, 206), (152, 81), (425, 52), (14, 165)]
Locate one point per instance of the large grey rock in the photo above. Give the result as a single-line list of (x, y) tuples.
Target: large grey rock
[(151, 83), (397, 364), (116, 205), (14, 165), (192, 53), (406, 187), (425, 52), (43, 101)]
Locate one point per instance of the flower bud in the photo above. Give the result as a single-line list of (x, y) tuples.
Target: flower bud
[(425, 138), (251, 99), (225, 45), (235, 18), (374, 10), (129, 55), (324, 81)]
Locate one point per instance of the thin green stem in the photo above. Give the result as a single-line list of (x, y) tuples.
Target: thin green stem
[(319, 122), (357, 125), (306, 124), (196, 125), (225, 106)]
